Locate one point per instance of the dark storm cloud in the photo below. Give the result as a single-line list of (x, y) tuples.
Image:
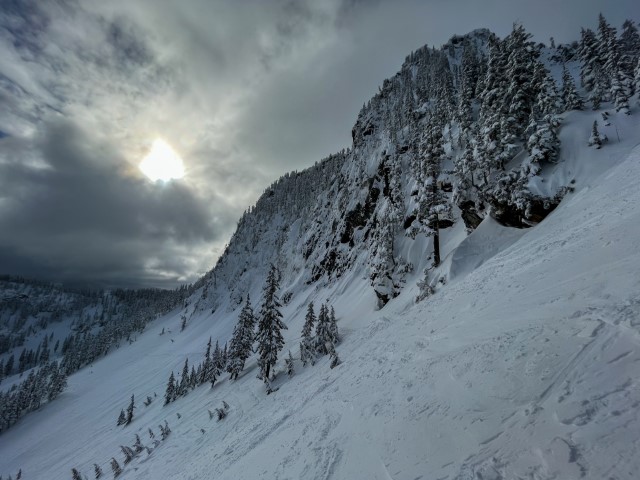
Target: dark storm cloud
[(77, 212), (244, 91)]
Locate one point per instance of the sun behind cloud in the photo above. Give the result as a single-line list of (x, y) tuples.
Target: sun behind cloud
[(162, 162)]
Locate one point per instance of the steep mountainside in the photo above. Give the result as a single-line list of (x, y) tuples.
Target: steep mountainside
[(364, 207)]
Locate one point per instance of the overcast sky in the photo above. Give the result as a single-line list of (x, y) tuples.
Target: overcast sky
[(244, 91)]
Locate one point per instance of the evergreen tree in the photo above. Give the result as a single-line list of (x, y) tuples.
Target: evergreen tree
[(546, 100), (137, 446), (543, 145), (193, 378), (224, 358), (206, 365), (520, 93), (128, 454), (58, 381), (307, 344), (570, 98), (591, 70), (289, 365), (629, 49), (494, 87), (432, 202), (76, 474), (333, 355), (122, 418), (324, 336), (215, 371), (619, 80), (8, 367), (606, 49), (621, 91), (383, 262), (333, 327), (241, 341), (270, 325), (468, 82), (44, 350), (130, 409), (170, 393), (97, 470), (164, 430), (595, 140), (183, 388)]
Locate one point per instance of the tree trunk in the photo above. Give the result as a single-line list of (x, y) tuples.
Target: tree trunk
[(436, 242)]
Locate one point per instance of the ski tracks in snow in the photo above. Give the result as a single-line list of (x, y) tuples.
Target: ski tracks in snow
[(569, 421)]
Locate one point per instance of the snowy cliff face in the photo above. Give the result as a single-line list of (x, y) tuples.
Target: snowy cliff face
[(364, 206)]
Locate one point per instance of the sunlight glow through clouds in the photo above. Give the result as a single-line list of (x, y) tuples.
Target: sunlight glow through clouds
[(162, 162)]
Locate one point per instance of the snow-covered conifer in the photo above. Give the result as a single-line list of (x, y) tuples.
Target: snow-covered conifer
[(432, 203), (206, 364), (138, 447), (170, 393), (621, 91), (629, 49), (323, 331), (289, 365), (241, 345), (307, 343), (333, 326), (122, 418), (546, 101), (543, 145), (269, 337), (164, 430), (183, 387), (464, 167), (468, 83), (130, 409), (520, 93), (571, 99), (591, 72), (97, 471), (333, 355), (128, 454), (115, 466), (214, 370), (595, 140), (224, 358), (383, 262), (607, 54), (193, 378)]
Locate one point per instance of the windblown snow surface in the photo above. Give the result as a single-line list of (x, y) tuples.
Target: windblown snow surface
[(524, 365)]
